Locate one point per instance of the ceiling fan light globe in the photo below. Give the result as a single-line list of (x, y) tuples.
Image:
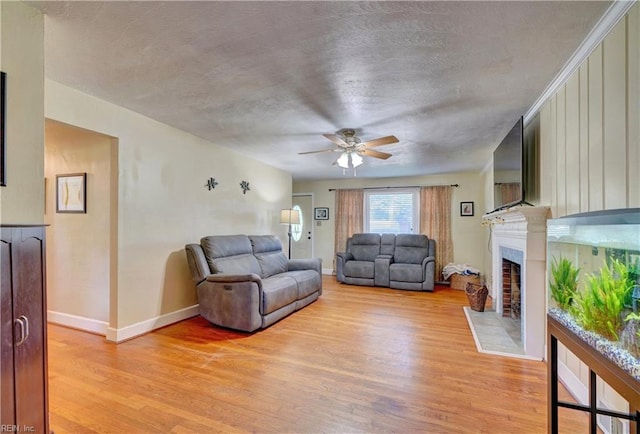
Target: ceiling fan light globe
[(343, 161), (356, 159)]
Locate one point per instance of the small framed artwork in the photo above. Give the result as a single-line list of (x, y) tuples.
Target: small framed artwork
[(71, 193), (321, 213), (466, 209)]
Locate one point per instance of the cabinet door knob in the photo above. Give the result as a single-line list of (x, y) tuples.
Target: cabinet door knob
[(23, 322)]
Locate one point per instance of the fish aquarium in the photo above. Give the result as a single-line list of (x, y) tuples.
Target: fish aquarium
[(593, 287)]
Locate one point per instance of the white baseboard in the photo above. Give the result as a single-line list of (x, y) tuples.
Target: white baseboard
[(134, 330), (78, 322), (328, 271), (573, 384)]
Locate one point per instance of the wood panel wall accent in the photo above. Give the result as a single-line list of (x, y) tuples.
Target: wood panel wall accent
[(590, 137)]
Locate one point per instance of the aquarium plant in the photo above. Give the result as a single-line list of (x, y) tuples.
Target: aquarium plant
[(565, 282), (630, 337), (600, 306), (633, 276)]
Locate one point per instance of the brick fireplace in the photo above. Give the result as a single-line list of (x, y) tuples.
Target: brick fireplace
[(518, 245), (511, 302)]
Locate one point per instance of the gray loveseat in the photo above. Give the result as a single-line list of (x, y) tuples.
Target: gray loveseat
[(247, 282), (403, 261)]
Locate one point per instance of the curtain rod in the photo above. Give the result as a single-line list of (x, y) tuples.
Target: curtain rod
[(406, 186)]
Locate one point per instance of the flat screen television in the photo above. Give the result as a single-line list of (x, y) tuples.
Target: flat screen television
[(508, 169)]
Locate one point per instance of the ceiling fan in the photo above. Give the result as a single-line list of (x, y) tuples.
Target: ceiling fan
[(352, 148)]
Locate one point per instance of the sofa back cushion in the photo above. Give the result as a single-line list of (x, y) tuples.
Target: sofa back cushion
[(387, 244), (268, 251), (411, 248), (230, 254), (365, 247)]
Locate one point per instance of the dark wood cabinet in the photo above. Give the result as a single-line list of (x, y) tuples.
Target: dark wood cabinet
[(23, 335)]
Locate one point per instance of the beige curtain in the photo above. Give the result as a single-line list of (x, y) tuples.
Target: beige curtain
[(349, 216), (435, 222)]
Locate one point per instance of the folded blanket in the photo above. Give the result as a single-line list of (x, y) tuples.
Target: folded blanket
[(463, 269)]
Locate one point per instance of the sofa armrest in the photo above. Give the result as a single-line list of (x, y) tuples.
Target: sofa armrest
[(346, 256), (305, 264), (428, 259), (233, 278), (198, 264), (232, 300), (429, 273), (341, 259), (381, 265)]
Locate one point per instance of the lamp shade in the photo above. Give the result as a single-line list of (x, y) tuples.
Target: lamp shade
[(290, 216)]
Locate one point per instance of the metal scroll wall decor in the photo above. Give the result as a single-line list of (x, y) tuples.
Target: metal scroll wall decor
[(211, 183)]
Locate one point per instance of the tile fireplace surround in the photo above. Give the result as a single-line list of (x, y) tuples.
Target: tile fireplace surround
[(519, 235)]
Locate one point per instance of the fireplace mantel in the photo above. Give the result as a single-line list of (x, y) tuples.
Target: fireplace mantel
[(522, 229), (513, 218)]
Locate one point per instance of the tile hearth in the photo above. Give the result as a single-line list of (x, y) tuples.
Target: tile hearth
[(494, 334)]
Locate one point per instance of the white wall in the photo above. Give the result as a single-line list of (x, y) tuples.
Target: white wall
[(22, 59), (590, 146), (163, 204), (468, 236)]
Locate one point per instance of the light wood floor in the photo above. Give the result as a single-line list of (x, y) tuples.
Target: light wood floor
[(357, 360)]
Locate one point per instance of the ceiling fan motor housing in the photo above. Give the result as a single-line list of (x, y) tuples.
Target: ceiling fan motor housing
[(350, 138)]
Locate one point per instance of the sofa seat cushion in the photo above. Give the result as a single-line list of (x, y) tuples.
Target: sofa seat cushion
[(278, 291), (360, 269), (406, 272), (309, 281)]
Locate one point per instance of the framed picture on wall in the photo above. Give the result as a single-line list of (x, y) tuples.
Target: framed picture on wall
[(3, 152), (71, 193), (466, 209), (321, 213)]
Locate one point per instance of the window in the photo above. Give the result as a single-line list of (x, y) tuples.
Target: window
[(296, 229), (391, 211)]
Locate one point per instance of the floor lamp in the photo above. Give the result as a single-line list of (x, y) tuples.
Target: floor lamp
[(290, 217)]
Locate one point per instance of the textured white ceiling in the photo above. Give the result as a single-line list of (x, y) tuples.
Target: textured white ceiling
[(449, 79)]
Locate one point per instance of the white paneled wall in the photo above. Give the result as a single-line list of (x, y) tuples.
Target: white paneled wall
[(589, 129), (590, 147)]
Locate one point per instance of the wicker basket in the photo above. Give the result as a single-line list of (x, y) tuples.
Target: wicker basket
[(477, 295), (459, 281)]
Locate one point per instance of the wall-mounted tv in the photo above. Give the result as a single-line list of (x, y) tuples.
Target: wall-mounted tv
[(508, 169)]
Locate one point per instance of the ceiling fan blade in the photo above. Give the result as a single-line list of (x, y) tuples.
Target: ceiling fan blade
[(321, 150), (375, 154), (336, 139), (381, 141)]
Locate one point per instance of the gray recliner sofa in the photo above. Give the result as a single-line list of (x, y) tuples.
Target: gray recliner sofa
[(403, 261), (247, 282)]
